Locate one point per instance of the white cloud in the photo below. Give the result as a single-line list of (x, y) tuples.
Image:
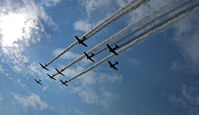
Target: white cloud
[(50, 2), (91, 91), (188, 100), (28, 29), (82, 25), (92, 5), (33, 100)]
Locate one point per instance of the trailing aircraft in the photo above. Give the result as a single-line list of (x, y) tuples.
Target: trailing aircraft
[(38, 81), (44, 66), (64, 82), (112, 49), (113, 65), (81, 41), (59, 72), (52, 77), (89, 57)]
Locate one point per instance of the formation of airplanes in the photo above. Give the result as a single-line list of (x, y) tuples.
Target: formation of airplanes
[(88, 56), (132, 5)]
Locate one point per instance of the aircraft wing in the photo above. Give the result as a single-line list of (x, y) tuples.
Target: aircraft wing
[(114, 67), (91, 59), (39, 83), (110, 63), (113, 51), (83, 43)]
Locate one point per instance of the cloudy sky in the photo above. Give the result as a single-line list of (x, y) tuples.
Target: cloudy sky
[(157, 77)]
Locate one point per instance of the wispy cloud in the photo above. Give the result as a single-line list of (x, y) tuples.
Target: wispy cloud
[(92, 5), (90, 88), (186, 37), (188, 100), (33, 100), (82, 25), (50, 2)]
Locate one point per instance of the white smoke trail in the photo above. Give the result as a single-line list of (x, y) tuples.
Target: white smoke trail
[(120, 33), (136, 5), (96, 29), (109, 18), (160, 26)]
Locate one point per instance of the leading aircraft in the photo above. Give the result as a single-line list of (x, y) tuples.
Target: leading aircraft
[(81, 41), (89, 57), (59, 72), (64, 82), (44, 66), (113, 65), (51, 77), (112, 49), (38, 81)]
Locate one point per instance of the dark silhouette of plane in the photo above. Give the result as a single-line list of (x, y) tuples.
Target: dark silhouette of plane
[(51, 77), (89, 57), (44, 66), (113, 65), (81, 41), (59, 72), (112, 49), (64, 82), (38, 81)]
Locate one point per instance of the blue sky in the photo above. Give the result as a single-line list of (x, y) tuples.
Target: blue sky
[(157, 76)]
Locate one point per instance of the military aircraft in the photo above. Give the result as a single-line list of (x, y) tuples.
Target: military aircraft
[(81, 41), (59, 72), (64, 82), (112, 49), (52, 77), (113, 65), (38, 81), (89, 57), (44, 66)]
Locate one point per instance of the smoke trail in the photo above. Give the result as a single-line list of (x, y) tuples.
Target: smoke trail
[(158, 27), (145, 25), (117, 35), (136, 5), (97, 29), (120, 33), (109, 18)]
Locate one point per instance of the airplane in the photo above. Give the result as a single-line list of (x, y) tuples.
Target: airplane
[(81, 41), (44, 66), (59, 72), (113, 65), (113, 49), (38, 81), (52, 77), (89, 57), (64, 82)]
